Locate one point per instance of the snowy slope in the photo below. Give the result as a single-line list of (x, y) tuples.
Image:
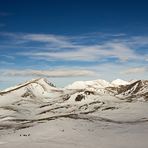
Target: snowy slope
[(138, 89), (96, 84), (103, 110), (38, 100), (34, 88), (118, 82), (85, 84)]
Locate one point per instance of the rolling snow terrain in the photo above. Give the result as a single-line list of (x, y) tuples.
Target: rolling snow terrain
[(36, 113)]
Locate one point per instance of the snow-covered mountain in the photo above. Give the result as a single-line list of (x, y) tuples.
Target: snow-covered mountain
[(97, 84), (39, 100), (87, 84), (138, 89), (36, 88), (38, 85), (118, 82)]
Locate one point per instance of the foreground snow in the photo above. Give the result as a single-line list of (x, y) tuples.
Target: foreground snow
[(70, 133)]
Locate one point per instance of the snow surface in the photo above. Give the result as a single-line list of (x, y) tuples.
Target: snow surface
[(84, 84), (66, 133), (83, 114), (118, 82), (96, 84)]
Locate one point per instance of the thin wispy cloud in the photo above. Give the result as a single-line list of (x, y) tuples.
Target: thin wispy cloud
[(59, 40), (44, 38), (8, 57), (88, 53), (6, 63), (56, 47), (136, 70), (48, 73), (112, 55)]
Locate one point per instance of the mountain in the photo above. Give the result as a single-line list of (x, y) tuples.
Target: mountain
[(118, 82), (22, 102), (33, 88), (96, 84), (138, 89), (39, 100)]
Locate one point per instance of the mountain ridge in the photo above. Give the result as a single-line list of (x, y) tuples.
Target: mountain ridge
[(39, 100), (117, 87)]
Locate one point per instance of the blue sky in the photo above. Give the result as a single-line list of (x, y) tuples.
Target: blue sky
[(68, 40)]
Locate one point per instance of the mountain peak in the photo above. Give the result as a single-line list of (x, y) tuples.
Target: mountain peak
[(99, 83), (119, 82), (43, 82)]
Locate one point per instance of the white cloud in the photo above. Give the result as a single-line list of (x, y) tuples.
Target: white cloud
[(135, 70), (118, 57), (6, 63), (88, 53), (47, 38), (48, 73), (53, 47), (7, 56)]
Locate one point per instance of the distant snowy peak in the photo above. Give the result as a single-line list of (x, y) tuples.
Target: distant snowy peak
[(85, 84), (42, 88), (47, 85), (32, 84), (45, 81), (96, 84), (140, 86), (118, 82), (132, 81)]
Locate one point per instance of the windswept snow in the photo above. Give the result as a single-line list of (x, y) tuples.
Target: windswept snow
[(104, 107)]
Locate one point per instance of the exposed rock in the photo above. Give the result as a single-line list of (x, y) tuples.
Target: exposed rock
[(79, 97)]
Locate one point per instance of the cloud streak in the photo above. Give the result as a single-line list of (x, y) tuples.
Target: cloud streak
[(88, 53), (48, 73), (64, 48), (136, 70), (74, 51)]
